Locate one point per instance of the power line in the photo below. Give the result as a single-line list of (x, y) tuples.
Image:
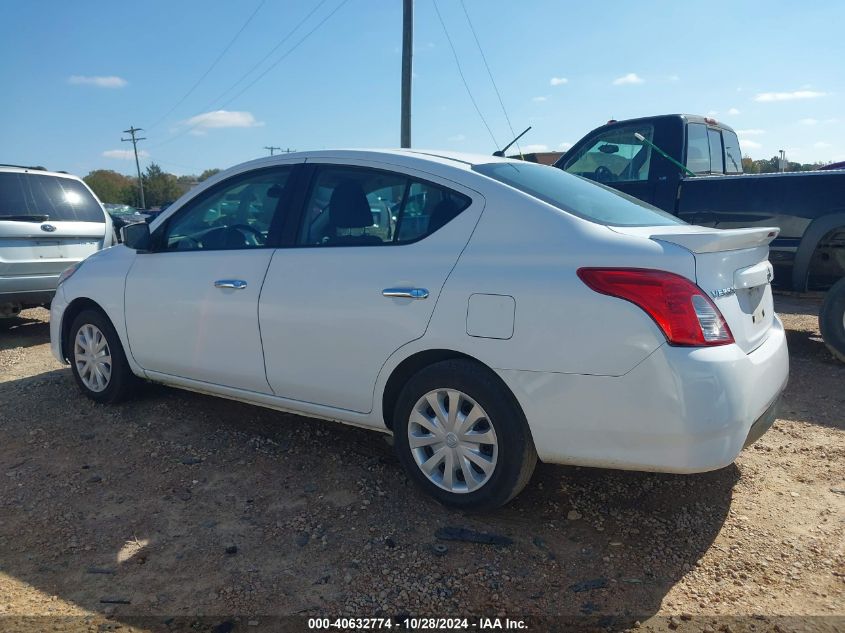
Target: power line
[(267, 70), (210, 68), (461, 73), (490, 73), (267, 56)]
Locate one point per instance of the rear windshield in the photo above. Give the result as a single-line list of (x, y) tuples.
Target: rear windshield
[(61, 199), (576, 195)]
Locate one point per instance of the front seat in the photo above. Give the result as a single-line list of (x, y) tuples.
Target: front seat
[(349, 209)]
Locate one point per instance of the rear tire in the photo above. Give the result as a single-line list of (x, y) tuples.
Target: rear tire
[(97, 359), (832, 320), (480, 435)]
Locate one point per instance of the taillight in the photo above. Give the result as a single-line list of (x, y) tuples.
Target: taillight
[(682, 310)]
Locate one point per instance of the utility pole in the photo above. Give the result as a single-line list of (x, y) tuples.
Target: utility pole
[(407, 67), (272, 148), (132, 129)]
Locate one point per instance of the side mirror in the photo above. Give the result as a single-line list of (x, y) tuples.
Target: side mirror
[(136, 236)]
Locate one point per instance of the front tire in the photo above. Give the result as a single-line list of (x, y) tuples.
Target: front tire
[(461, 436), (832, 319), (97, 359)]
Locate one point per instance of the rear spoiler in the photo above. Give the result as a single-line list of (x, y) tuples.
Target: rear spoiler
[(715, 240)]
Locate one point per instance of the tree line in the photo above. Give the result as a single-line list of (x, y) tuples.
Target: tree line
[(159, 186), (771, 165)]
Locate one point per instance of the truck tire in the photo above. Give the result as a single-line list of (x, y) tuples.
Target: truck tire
[(832, 320)]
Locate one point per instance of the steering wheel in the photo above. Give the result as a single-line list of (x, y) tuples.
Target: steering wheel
[(257, 235), (603, 174)]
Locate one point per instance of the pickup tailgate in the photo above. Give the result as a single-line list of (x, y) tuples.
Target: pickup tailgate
[(732, 267)]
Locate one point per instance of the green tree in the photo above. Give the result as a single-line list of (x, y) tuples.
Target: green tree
[(208, 173), (111, 186), (159, 186)]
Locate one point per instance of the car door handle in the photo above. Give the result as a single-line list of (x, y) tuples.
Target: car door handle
[(406, 293), (237, 284)]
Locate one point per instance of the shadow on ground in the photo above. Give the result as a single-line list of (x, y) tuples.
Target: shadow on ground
[(23, 332), (180, 504)]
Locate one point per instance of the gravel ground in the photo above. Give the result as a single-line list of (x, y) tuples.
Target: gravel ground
[(178, 504)]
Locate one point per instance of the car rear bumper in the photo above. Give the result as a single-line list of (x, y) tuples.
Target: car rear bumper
[(28, 289), (681, 410)]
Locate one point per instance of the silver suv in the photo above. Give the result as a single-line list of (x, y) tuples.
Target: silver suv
[(48, 221)]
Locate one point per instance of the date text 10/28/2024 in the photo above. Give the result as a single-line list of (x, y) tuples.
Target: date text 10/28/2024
[(417, 624)]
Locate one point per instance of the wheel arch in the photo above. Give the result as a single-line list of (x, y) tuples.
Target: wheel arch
[(73, 310), (811, 239), (417, 361)]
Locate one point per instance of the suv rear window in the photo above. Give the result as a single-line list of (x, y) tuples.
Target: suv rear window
[(61, 199), (576, 195)]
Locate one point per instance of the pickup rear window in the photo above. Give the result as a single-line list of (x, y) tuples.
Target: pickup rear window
[(576, 195), (60, 199)]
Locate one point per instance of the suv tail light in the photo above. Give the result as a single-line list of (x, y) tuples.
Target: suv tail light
[(681, 309)]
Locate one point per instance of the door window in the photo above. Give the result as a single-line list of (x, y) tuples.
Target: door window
[(236, 214), (351, 206), (616, 155)]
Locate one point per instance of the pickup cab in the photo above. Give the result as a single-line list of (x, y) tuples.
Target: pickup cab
[(691, 166)]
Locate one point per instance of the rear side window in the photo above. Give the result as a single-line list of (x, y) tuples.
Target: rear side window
[(577, 196), (60, 199), (698, 148), (717, 163), (368, 207), (733, 154)]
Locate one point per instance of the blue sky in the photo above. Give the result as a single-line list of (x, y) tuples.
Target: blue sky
[(77, 73)]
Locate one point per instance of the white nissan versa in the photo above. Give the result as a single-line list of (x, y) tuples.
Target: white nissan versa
[(488, 312)]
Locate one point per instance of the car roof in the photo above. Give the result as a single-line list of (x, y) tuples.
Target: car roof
[(18, 169), (418, 158)]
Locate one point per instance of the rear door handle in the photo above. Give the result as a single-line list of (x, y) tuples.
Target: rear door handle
[(237, 284), (406, 293)]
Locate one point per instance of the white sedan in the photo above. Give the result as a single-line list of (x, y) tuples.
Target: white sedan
[(487, 312)]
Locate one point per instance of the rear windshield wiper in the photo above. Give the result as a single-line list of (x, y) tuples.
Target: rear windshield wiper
[(34, 217)]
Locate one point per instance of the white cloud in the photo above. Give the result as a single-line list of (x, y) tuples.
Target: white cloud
[(457, 138), (558, 81), (733, 112), (100, 82), (745, 144), (539, 99), (821, 145), (752, 132), (630, 78), (222, 119), (808, 121), (564, 146), (788, 96), (125, 154), (534, 147)]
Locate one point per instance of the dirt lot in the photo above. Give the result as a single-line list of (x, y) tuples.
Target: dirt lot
[(179, 505)]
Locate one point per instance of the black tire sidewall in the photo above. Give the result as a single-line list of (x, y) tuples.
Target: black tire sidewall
[(830, 319), (121, 376), (506, 417)]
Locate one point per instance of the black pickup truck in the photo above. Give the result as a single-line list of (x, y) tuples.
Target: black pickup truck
[(692, 166)]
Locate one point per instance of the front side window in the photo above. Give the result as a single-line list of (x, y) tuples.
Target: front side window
[(584, 199), (234, 215), (614, 156), (733, 155), (367, 207), (59, 199)]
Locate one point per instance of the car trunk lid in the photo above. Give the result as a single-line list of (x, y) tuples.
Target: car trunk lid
[(732, 267), (26, 248)]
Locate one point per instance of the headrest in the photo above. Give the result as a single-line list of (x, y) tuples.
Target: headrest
[(348, 207)]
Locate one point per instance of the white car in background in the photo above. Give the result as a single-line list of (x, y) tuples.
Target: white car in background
[(48, 221), (500, 312)]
